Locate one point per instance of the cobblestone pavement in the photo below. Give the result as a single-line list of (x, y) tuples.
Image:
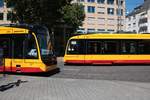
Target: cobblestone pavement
[(39, 88), (82, 83)]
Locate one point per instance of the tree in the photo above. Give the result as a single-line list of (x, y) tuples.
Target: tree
[(52, 13), (73, 15), (47, 12), (37, 11)]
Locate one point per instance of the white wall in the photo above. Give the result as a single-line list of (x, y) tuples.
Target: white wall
[(133, 22), (148, 21)]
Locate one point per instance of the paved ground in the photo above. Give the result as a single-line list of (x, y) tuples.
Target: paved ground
[(130, 73), (82, 83)]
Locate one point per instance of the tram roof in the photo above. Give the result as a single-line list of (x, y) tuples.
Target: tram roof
[(12, 30), (19, 28), (112, 36)]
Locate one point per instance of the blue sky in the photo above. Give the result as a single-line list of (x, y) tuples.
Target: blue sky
[(131, 4)]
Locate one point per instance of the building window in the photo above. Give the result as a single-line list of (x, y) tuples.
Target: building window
[(143, 14), (110, 11), (134, 31), (119, 12), (92, 1), (129, 25), (143, 29), (101, 10), (110, 2), (101, 30), (1, 16), (143, 20), (91, 30), (134, 17), (110, 30), (91, 9), (134, 24), (119, 2), (81, 0), (101, 1)]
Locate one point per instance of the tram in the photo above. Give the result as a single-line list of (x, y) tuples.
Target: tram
[(26, 49), (108, 49)]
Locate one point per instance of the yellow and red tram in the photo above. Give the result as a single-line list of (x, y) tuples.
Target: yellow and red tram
[(108, 49), (26, 49)]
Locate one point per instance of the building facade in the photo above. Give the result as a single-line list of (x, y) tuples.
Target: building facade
[(138, 21), (103, 16)]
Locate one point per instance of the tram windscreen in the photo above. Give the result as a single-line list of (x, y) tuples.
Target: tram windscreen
[(44, 43)]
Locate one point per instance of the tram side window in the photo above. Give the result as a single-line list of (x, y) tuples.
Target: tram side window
[(128, 47), (144, 46), (94, 47), (30, 50), (18, 47), (110, 47), (76, 47), (24, 47)]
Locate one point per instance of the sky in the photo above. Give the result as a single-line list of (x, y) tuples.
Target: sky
[(131, 4)]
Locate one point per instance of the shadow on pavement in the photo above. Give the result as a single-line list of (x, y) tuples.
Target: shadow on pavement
[(43, 74), (11, 85)]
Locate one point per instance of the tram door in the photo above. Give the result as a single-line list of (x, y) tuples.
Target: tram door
[(5, 49), (18, 54)]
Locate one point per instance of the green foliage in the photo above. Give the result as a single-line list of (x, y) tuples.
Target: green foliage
[(47, 12), (37, 11), (73, 15)]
